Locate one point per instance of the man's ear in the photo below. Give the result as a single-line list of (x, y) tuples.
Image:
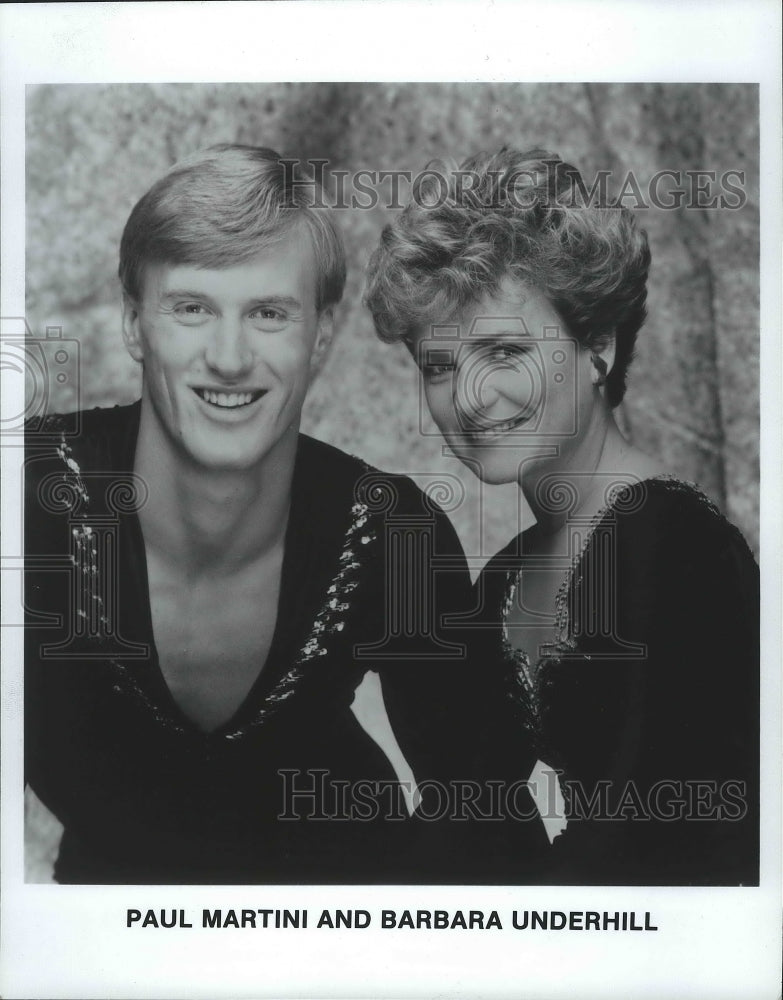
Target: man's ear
[(603, 353), (131, 333), (323, 340)]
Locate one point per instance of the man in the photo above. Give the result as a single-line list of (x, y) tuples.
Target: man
[(208, 588)]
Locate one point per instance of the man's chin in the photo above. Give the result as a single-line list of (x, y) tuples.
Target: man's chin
[(226, 455), (228, 448)]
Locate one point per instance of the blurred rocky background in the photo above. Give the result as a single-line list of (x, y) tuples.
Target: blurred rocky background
[(693, 393)]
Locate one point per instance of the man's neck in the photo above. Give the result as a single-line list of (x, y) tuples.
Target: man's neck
[(212, 522)]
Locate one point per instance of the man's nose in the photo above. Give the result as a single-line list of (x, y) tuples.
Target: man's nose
[(228, 351)]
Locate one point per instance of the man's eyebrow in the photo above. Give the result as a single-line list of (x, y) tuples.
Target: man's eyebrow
[(279, 300), (275, 300), (189, 293)]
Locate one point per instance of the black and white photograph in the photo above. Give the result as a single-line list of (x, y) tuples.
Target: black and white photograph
[(390, 462)]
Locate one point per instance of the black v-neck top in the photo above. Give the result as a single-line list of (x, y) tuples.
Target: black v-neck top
[(146, 796), (647, 702)]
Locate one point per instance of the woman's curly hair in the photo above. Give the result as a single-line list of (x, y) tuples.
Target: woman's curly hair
[(524, 215)]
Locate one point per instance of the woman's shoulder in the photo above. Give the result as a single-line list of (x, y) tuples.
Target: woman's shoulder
[(660, 521), (665, 552), (664, 518)]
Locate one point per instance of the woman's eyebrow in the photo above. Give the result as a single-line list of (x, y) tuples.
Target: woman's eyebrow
[(496, 337)]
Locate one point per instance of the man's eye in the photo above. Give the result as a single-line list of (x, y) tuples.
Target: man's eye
[(191, 311), (269, 318)]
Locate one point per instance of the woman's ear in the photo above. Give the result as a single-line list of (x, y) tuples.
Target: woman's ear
[(602, 357), (323, 340), (131, 333)]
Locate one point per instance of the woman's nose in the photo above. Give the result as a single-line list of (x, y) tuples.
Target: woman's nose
[(475, 390), (488, 394)]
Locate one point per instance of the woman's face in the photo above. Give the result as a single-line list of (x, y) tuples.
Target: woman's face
[(509, 388)]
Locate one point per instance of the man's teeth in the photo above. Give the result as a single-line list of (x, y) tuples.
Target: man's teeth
[(227, 399)]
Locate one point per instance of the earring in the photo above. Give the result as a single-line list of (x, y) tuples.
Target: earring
[(600, 366)]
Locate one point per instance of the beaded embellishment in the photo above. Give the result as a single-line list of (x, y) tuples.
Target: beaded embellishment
[(329, 621), (528, 680), (74, 498)]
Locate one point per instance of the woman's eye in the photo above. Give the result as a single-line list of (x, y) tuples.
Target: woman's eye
[(437, 372), (437, 364), (506, 352)]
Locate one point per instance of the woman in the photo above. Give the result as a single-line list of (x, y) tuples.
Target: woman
[(627, 616)]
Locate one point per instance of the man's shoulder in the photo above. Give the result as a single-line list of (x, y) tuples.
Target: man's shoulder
[(82, 428), (318, 456), (331, 472), (82, 421), (68, 447)]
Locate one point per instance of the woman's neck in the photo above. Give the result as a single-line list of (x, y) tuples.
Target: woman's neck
[(578, 481)]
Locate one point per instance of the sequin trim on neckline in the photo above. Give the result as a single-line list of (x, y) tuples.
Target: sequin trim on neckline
[(527, 678), (358, 543)]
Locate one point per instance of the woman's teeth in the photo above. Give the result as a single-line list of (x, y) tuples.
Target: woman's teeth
[(495, 429)]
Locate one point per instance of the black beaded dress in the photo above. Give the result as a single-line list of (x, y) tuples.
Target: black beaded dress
[(647, 702)]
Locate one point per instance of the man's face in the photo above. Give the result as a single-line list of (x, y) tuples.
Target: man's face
[(228, 352)]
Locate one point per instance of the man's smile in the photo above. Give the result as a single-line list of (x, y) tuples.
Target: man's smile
[(229, 400)]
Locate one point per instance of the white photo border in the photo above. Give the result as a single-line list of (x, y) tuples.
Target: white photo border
[(69, 941)]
